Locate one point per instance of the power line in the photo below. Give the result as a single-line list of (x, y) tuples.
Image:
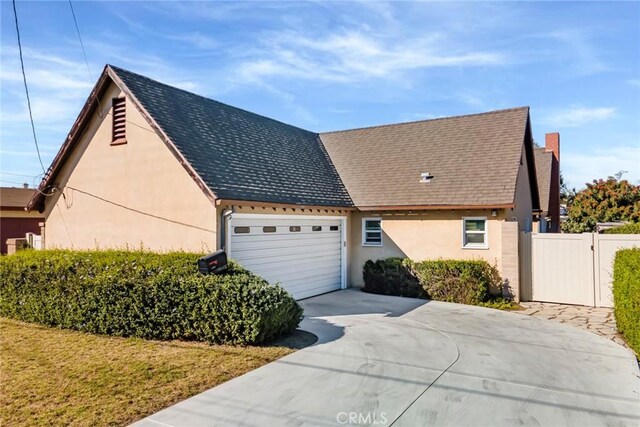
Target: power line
[(84, 54), (12, 181), (26, 87), (19, 174), (72, 189)]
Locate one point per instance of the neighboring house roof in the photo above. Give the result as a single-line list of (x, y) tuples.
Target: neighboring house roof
[(474, 160), (12, 198), (236, 155), (544, 164)]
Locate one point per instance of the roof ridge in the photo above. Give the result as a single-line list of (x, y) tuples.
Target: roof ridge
[(429, 120), (116, 69)]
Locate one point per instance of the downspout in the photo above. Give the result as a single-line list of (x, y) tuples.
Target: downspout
[(223, 226)]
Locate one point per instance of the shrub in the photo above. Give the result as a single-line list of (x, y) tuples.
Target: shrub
[(632, 228), (626, 295), (500, 303), (461, 281), (145, 295), (391, 276)]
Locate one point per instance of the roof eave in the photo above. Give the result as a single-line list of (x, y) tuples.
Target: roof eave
[(257, 204), (37, 200), (108, 75), (434, 207)]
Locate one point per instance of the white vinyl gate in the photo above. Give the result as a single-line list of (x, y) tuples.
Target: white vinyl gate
[(576, 268), (305, 254)]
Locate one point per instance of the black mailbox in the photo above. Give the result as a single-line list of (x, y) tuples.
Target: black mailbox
[(215, 262)]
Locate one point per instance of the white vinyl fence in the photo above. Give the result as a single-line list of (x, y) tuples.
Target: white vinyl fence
[(575, 268)]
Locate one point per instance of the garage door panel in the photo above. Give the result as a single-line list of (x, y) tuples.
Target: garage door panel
[(248, 252), (304, 262), (291, 220), (284, 260), (310, 271), (301, 284), (302, 265), (262, 243), (304, 230)]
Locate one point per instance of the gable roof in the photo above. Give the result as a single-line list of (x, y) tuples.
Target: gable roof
[(474, 160), (232, 153), (241, 155), (236, 155), (544, 164), (12, 198)]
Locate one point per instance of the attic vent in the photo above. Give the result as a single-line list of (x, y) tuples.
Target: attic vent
[(425, 177), (119, 121)]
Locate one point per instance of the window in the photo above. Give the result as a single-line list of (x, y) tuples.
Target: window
[(270, 229), (474, 233), (333, 228), (241, 230), (294, 228), (316, 228), (119, 121), (371, 232)]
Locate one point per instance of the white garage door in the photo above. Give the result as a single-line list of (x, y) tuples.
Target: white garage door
[(304, 254)]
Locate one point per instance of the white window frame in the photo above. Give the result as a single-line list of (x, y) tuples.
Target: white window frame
[(484, 245), (364, 232)]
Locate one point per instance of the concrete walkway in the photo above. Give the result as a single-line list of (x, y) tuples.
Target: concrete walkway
[(599, 320), (397, 361)]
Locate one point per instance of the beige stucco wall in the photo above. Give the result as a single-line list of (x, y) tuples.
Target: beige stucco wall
[(420, 236), (161, 207)]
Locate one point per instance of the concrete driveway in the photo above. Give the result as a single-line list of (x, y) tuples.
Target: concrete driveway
[(403, 362)]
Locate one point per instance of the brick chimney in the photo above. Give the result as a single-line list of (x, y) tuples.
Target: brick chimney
[(552, 144)]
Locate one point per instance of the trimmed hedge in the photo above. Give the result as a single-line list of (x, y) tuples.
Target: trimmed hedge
[(626, 295), (145, 295), (631, 228), (459, 281), (392, 276)]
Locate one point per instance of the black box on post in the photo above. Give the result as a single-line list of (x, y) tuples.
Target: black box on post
[(215, 262)]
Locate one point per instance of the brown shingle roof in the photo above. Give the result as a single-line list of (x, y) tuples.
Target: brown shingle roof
[(15, 197), (544, 161), (474, 160)]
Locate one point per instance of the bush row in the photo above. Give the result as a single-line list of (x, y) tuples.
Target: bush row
[(460, 281), (631, 228), (626, 295), (145, 295)]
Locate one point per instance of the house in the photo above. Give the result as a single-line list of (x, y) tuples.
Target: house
[(548, 175), (15, 222), (147, 164)]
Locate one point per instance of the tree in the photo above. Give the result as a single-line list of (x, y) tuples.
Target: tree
[(566, 194), (603, 201)]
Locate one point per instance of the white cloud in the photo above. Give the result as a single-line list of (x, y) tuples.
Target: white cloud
[(589, 164), (352, 56), (577, 116), (197, 40), (585, 59), (634, 82)]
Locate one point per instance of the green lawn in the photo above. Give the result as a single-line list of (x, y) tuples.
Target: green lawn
[(59, 377)]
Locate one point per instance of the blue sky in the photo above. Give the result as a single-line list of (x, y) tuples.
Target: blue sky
[(336, 65)]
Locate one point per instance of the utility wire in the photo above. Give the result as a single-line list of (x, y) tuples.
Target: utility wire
[(26, 87), (84, 54)]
